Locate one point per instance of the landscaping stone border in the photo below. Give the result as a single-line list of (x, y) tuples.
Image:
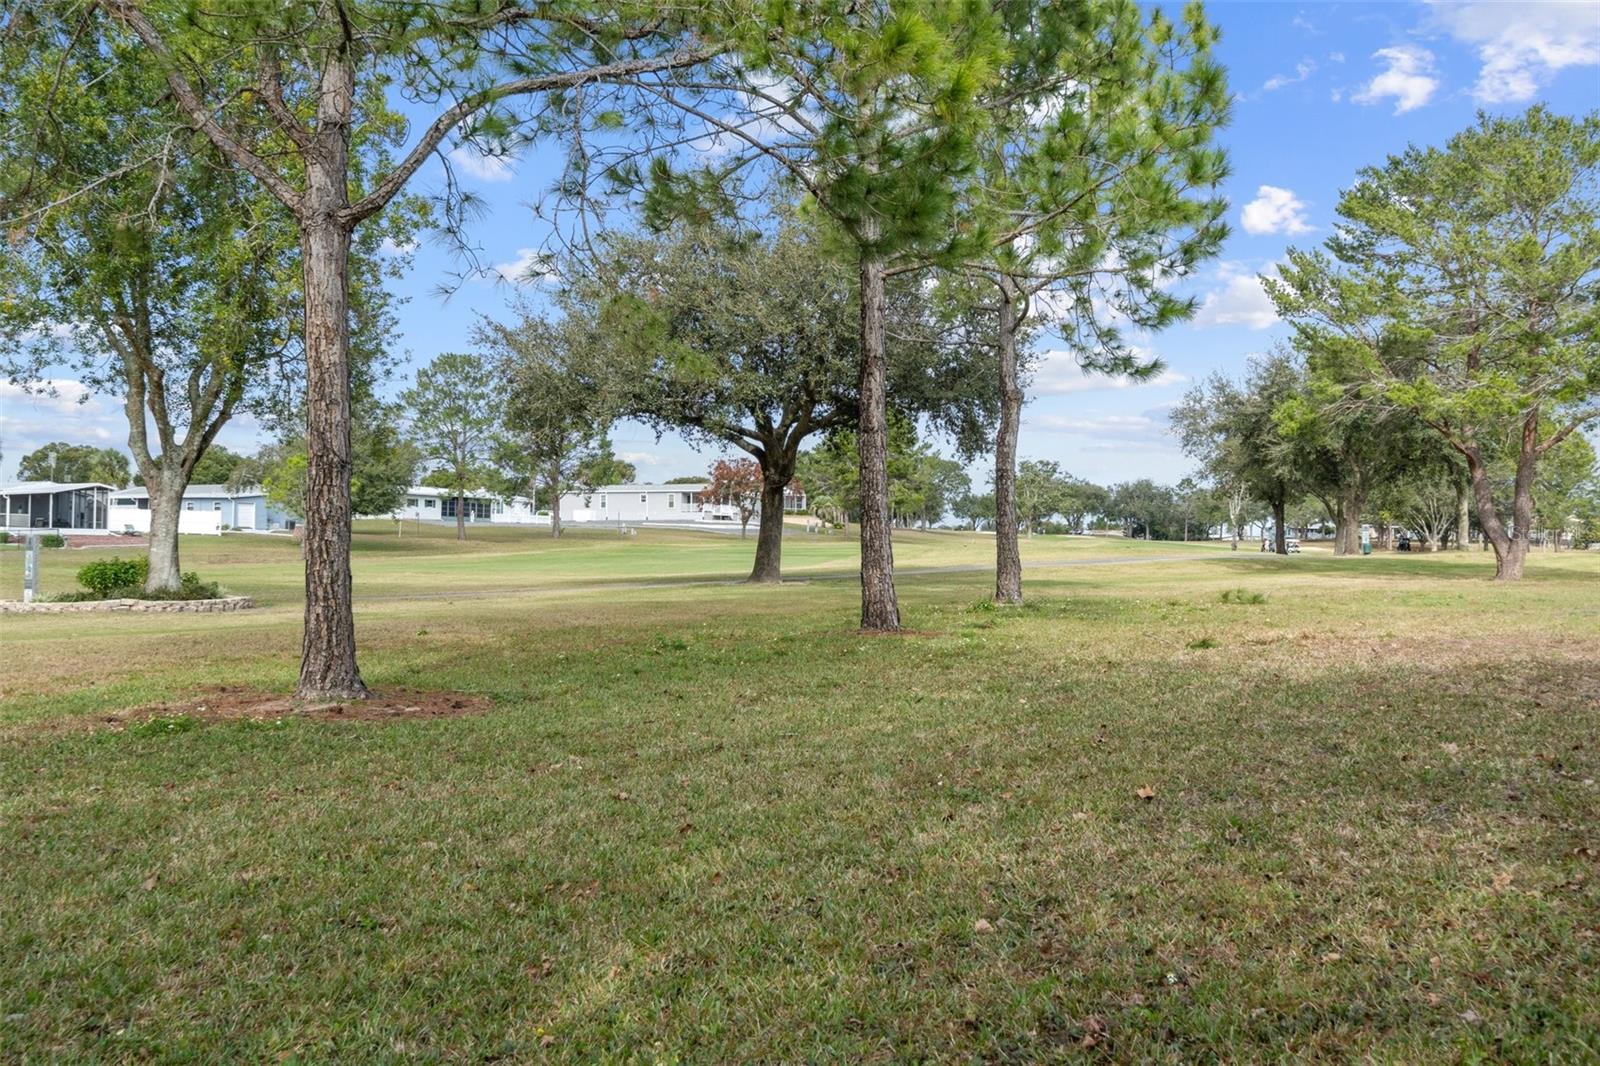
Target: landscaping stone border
[(226, 603)]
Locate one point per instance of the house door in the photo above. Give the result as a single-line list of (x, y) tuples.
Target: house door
[(244, 516)]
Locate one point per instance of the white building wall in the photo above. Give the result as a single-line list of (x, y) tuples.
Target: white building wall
[(425, 504), (120, 518), (644, 503), (676, 503), (200, 514)]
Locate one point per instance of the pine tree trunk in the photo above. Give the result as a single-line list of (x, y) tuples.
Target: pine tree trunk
[(166, 504), (328, 668), (555, 500), (461, 517), (768, 568), (879, 609), (1007, 554), (1280, 540)]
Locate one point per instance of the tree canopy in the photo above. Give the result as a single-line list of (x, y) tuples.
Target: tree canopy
[(1463, 287), (63, 462)]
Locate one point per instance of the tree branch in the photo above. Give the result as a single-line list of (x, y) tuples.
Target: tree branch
[(195, 107), (386, 189)]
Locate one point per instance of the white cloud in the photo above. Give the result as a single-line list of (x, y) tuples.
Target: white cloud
[(58, 395), (1522, 45), (1302, 70), (1408, 79), (55, 332), (1138, 428), (1274, 210), (390, 246), (640, 458), (1240, 301), (1057, 374), (57, 409), (528, 268), (66, 409), (488, 167)]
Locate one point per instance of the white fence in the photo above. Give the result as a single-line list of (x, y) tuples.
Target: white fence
[(120, 518)]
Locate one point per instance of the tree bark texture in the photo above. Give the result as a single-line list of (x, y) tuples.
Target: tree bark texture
[(1347, 522), (328, 664), (768, 568), (166, 503), (1280, 532), (1510, 547), (555, 500), (1463, 515), (879, 609), (1007, 555), (461, 517)]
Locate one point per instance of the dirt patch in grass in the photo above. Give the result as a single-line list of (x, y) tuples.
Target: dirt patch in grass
[(225, 704)]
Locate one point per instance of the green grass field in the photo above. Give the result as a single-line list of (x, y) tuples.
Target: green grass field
[(1190, 805)]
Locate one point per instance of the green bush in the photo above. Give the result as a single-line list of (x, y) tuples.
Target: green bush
[(5, 538), (123, 579), (192, 588), (1243, 596), (52, 540), (105, 576)]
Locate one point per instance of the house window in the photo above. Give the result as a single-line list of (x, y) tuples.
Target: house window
[(217, 506), (430, 504), (672, 501), (411, 501), (602, 502), (124, 501), (475, 508), (144, 504), (643, 498), (188, 505)]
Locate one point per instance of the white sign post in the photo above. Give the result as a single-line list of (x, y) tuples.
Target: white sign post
[(30, 569)]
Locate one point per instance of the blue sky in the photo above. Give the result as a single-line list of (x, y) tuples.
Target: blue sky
[(1320, 91)]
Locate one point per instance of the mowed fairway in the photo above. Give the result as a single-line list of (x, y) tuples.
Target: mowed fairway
[(1348, 809)]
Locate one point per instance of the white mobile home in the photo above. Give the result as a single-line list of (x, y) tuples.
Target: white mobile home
[(425, 504), (657, 503), (637, 503), (205, 509)]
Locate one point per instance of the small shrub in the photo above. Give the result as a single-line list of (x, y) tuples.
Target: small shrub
[(52, 540), (123, 579), (5, 537), (105, 576), (1202, 644), (1244, 596), (192, 588)]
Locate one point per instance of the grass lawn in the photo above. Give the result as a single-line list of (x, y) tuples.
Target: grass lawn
[(1191, 806)]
